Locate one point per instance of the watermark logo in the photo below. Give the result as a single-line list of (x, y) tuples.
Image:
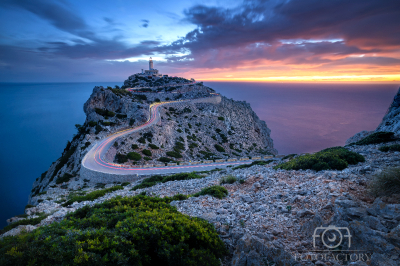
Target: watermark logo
[(337, 242), (331, 236)]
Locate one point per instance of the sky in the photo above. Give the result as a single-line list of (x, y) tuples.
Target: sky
[(252, 40)]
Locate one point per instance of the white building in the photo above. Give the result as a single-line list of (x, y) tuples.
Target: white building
[(152, 71)]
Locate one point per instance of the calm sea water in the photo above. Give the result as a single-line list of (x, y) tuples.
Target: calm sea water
[(37, 120)]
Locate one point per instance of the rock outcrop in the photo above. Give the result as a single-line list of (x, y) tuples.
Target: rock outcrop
[(390, 122), (198, 126)]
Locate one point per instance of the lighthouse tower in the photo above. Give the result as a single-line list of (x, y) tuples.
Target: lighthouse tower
[(152, 71), (151, 64)]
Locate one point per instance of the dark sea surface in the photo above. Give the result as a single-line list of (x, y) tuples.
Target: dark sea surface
[(37, 120)]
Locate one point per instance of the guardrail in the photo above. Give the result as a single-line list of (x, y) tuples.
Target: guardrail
[(244, 159), (220, 161), (268, 157), (209, 161), (232, 160), (256, 158)]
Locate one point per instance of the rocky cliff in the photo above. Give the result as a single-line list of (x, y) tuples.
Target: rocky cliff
[(390, 122), (188, 131)]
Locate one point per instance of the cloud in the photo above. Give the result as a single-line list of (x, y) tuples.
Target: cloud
[(145, 23)]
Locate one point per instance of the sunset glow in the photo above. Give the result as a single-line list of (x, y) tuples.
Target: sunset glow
[(271, 41)]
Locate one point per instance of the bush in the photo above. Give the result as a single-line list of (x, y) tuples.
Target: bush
[(147, 158), (131, 122), (29, 206), (375, 138), (215, 191), (221, 118), (135, 146), (157, 100), (243, 166), (219, 148), (386, 182), (91, 196), (151, 181), (121, 116), (98, 129), (63, 160), (394, 147), (138, 230), (154, 147), (228, 180), (125, 184), (121, 158), (104, 112), (65, 178), (134, 156), (146, 152), (289, 156), (165, 159), (142, 140), (31, 221), (174, 154), (92, 123), (336, 158)]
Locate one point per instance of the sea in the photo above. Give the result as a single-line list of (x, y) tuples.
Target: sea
[(37, 120)]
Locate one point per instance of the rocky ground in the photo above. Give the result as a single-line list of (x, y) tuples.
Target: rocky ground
[(271, 216)]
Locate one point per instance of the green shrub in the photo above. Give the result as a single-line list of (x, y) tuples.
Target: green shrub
[(121, 158), (193, 145), (146, 152), (31, 221), (138, 230), (104, 112), (98, 129), (228, 180), (131, 122), (146, 158), (386, 182), (142, 140), (135, 146), (174, 154), (221, 118), (375, 138), (179, 130), (154, 147), (157, 100), (92, 195), (289, 156), (165, 159), (29, 206), (336, 158), (151, 181), (42, 176), (215, 191), (243, 166), (121, 116), (394, 147), (125, 184), (63, 160), (219, 148), (65, 178), (92, 123), (134, 156)]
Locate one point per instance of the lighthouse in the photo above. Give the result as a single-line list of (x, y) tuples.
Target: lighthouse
[(152, 71), (151, 64)]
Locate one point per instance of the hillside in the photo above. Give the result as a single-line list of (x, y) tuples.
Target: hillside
[(186, 132)]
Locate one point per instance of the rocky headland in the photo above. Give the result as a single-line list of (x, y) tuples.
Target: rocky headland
[(269, 215)]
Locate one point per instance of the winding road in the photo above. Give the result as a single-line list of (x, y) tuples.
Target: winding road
[(95, 160)]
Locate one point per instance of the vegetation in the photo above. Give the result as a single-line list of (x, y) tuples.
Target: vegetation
[(92, 123), (151, 181), (221, 118), (104, 112), (134, 156), (375, 138), (121, 158), (91, 196), (138, 230), (165, 159), (337, 158), (215, 191), (31, 221), (386, 182), (289, 156), (174, 154), (98, 129), (135, 146), (219, 148), (243, 166), (63, 160), (140, 97), (121, 116), (146, 152), (394, 147), (228, 179), (65, 178), (131, 122), (154, 147)]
